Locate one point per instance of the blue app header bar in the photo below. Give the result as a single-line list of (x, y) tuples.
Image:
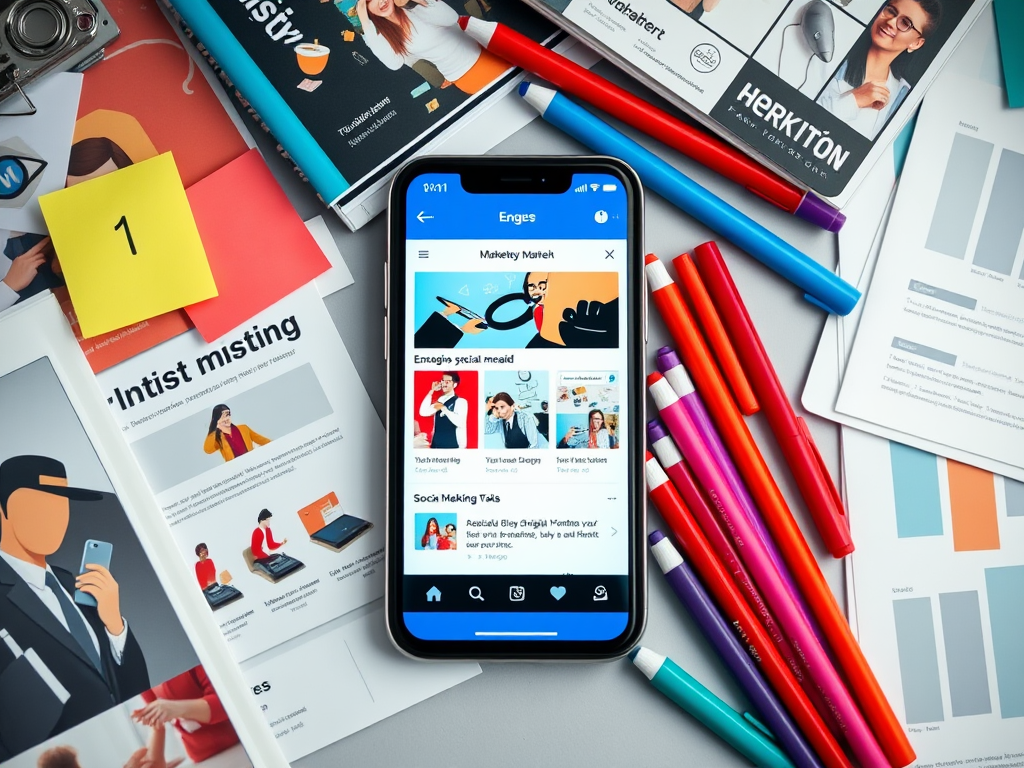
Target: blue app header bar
[(593, 208)]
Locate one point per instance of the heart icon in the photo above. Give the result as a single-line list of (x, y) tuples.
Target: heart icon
[(558, 592)]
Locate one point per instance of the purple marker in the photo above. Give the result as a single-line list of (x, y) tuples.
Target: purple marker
[(672, 369), (727, 645)]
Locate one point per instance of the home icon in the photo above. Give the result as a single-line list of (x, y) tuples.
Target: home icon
[(433, 595)]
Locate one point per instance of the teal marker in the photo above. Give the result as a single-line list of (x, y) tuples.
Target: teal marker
[(741, 732)]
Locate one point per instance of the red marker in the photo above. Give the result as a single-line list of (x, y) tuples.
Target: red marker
[(708, 151), (791, 432), (698, 552), (714, 332)]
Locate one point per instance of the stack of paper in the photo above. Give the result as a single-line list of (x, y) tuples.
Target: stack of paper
[(933, 361)]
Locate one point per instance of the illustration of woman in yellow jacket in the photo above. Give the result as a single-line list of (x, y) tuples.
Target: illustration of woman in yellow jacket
[(232, 440)]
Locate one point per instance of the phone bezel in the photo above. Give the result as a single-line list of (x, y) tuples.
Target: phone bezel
[(518, 169)]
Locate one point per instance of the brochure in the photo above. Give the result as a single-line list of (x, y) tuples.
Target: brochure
[(815, 89), (265, 455), (107, 657)]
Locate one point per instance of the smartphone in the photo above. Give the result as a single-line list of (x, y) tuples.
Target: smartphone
[(499, 544), (94, 553)]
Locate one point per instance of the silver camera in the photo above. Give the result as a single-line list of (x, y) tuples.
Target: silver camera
[(43, 36)]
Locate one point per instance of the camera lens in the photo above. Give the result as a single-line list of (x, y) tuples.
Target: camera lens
[(38, 28)]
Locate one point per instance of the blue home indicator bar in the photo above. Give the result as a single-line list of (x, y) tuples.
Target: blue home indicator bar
[(515, 626)]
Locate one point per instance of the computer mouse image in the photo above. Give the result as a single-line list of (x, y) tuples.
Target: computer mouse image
[(819, 29)]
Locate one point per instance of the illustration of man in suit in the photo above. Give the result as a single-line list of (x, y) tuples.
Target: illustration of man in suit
[(449, 411), (68, 662)]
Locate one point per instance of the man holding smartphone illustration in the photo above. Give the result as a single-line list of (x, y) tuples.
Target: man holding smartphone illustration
[(90, 652), (449, 411)]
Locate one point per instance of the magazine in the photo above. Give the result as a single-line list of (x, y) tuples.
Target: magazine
[(352, 88), (107, 658), (266, 458), (815, 89)]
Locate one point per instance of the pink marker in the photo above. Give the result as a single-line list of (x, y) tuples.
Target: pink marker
[(672, 461), (753, 554), (672, 367)]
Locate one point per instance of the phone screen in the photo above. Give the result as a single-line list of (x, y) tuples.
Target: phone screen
[(516, 418)]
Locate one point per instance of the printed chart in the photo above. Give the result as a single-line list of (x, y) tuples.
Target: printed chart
[(939, 350), (979, 177), (925, 484), (939, 578)]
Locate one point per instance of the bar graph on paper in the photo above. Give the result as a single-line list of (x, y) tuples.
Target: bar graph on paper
[(978, 216), (939, 579), (935, 497)]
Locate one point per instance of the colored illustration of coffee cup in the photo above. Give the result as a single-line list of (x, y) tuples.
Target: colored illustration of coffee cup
[(312, 57)]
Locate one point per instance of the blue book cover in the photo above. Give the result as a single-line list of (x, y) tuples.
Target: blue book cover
[(351, 88)]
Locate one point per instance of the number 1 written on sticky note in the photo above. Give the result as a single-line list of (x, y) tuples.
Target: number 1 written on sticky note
[(128, 245)]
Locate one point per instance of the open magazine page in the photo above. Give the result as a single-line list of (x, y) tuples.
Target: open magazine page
[(264, 453), (106, 658), (812, 85)]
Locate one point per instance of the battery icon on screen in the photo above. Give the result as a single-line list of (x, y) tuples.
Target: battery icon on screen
[(608, 188)]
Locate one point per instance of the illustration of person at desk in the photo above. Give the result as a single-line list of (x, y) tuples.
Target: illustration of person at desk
[(69, 660), (263, 556), (217, 593)]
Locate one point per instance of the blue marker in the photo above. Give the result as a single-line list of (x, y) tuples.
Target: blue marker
[(669, 678), (823, 288)]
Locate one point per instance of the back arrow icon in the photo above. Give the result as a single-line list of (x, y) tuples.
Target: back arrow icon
[(421, 217)]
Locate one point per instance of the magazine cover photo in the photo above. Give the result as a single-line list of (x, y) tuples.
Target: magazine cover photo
[(368, 78), (93, 660)]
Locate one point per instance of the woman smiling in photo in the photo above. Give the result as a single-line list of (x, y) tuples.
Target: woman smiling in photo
[(402, 32), (869, 86)]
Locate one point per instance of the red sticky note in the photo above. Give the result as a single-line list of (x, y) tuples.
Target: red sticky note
[(258, 248)]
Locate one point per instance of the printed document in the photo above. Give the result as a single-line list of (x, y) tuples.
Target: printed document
[(266, 456), (939, 573), (939, 351)]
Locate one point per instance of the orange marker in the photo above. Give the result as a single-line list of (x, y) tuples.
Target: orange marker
[(861, 680), (715, 334)]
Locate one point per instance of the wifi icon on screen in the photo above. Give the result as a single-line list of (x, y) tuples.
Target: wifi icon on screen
[(594, 187)]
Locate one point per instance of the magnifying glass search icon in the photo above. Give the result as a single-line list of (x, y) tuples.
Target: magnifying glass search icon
[(476, 594)]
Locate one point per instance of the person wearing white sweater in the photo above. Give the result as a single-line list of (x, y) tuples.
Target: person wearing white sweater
[(402, 32)]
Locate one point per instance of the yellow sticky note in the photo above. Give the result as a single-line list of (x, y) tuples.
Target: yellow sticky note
[(128, 245)]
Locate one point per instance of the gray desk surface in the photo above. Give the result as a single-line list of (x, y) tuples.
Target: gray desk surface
[(586, 714)]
